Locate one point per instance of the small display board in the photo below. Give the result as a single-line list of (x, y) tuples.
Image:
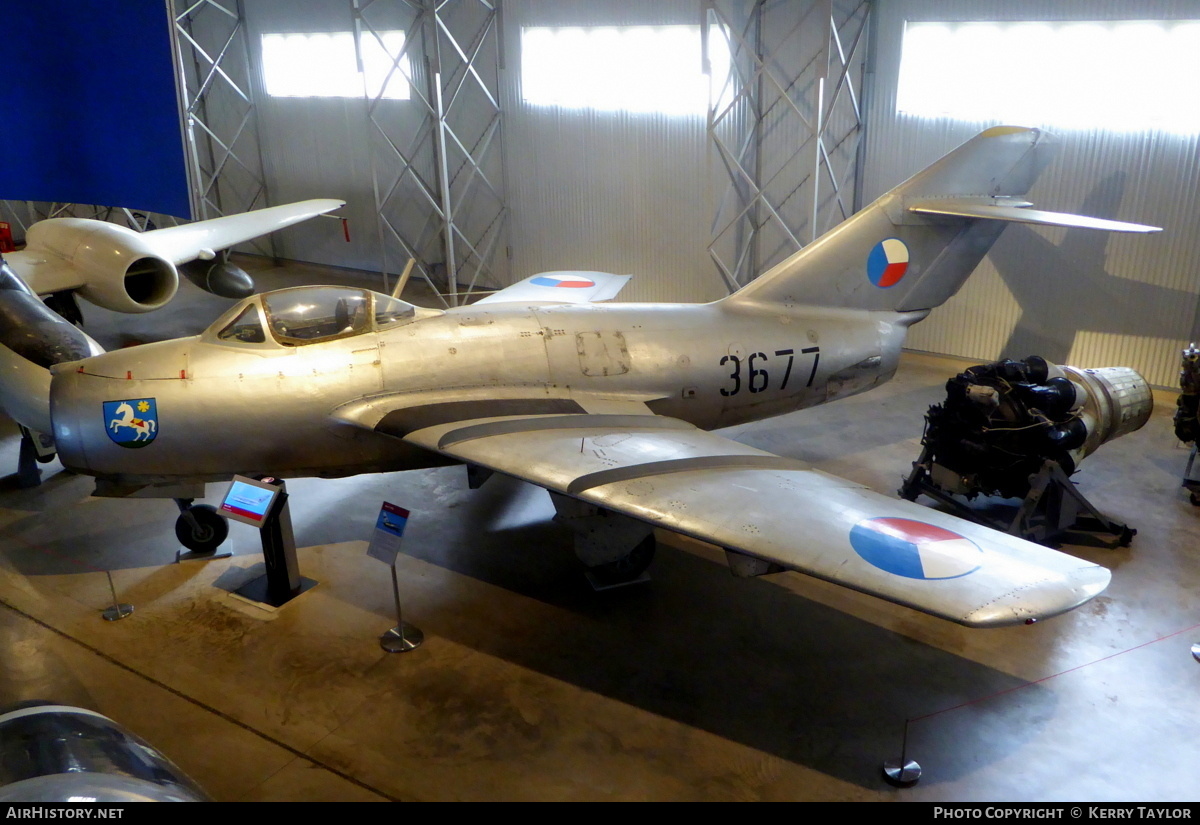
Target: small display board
[(389, 529), (248, 501)]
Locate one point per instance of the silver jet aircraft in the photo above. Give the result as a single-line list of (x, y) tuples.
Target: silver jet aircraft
[(609, 407)]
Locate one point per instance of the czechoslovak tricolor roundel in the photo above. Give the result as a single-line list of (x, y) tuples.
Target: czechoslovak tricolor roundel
[(915, 549), (568, 280), (887, 263)]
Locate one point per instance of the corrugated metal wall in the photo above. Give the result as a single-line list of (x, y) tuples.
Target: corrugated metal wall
[(615, 191), (315, 147), (1072, 296)]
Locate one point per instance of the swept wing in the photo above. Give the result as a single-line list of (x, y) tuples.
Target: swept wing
[(673, 475), (180, 244)]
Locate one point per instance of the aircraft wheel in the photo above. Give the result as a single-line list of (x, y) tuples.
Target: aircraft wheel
[(628, 567), (205, 533)]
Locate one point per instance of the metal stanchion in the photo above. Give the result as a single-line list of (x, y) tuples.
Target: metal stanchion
[(403, 637), (118, 610), (905, 772)]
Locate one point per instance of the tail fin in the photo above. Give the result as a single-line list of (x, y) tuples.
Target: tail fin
[(914, 247)]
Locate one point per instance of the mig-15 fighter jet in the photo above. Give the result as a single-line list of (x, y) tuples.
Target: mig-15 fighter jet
[(610, 407)]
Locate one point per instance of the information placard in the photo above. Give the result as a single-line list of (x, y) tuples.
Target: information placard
[(248, 500), (389, 528)]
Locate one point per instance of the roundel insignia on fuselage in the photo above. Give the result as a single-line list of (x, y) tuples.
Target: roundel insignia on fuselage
[(887, 262), (567, 280), (914, 549)]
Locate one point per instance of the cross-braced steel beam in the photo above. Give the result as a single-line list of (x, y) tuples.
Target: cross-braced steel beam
[(436, 163), (220, 117), (785, 126)]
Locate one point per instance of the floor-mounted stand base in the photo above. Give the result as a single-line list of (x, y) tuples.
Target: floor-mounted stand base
[(1052, 507)]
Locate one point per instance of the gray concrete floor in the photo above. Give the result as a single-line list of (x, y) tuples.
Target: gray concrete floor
[(694, 686)]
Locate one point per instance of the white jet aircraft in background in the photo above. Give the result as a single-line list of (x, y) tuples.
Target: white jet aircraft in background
[(118, 269)]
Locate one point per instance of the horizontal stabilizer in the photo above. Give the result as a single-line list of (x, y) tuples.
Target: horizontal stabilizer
[(966, 208), (564, 287)]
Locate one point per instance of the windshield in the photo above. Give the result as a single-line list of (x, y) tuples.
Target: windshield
[(246, 327)]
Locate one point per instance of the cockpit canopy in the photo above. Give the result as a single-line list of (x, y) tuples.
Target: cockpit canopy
[(311, 314)]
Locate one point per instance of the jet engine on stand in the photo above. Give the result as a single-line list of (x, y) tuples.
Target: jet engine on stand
[(1187, 415), (1019, 429)]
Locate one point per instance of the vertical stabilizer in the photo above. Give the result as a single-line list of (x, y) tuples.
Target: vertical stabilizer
[(888, 257)]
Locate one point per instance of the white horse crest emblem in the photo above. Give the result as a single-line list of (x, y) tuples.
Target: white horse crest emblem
[(129, 428)]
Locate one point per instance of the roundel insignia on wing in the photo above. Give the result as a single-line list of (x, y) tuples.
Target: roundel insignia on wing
[(887, 262), (915, 549), (568, 280)]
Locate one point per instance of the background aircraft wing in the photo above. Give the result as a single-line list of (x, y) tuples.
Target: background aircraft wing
[(566, 287), (673, 475), (180, 244)]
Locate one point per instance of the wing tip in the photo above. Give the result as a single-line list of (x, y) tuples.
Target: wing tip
[(1044, 600)]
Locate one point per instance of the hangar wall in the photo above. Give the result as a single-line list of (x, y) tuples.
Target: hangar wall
[(1073, 296), (586, 189)]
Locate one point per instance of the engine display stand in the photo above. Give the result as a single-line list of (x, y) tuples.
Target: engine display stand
[(1190, 482), (1052, 507)]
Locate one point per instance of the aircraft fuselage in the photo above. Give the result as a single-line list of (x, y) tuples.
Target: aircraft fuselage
[(201, 408)]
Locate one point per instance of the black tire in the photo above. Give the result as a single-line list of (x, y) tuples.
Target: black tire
[(628, 567), (210, 530)]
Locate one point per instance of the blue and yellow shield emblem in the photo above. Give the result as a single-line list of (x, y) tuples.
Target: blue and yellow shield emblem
[(132, 422)]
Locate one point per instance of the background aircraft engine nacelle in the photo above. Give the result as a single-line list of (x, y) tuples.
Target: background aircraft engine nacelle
[(119, 269), (220, 277), (1001, 421)]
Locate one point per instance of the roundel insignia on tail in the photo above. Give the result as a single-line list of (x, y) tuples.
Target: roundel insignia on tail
[(915, 549), (887, 262), (568, 280)]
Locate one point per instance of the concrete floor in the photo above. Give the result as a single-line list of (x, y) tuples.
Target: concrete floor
[(694, 686)]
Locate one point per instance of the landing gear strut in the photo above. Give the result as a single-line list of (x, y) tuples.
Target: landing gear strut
[(199, 527), (616, 549)]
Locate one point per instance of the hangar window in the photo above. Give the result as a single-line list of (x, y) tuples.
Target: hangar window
[(1114, 75), (324, 64), (628, 68)]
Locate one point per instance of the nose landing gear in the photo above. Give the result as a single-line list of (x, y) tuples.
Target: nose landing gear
[(199, 527)]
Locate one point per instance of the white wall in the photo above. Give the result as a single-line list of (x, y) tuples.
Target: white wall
[(612, 191), (1086, 298)]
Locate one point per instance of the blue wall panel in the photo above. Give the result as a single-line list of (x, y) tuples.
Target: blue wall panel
[(88, 107)]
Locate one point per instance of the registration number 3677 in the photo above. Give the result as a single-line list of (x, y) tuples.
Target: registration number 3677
[(754, 371)]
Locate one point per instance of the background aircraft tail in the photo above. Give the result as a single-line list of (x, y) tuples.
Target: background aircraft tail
[(915, 246)]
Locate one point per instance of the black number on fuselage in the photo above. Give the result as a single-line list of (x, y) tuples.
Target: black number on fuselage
[(757, 373), (759, 380), (787, 373), (736, 375), (816, 351)]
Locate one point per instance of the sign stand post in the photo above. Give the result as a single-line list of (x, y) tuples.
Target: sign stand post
[(385, 546)]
